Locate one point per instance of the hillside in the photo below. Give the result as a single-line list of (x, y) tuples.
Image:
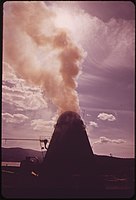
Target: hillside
[(18, 154)]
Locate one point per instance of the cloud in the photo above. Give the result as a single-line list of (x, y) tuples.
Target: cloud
[(8, 73), (88, 115), (108, 44), (23, 99), (112, 44), (42, 53), (105, 140), (42, 125), (94, 124), (15, 91), (15, 118), (105, 116)]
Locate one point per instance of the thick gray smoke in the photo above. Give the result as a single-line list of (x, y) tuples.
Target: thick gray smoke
[(41, 53)]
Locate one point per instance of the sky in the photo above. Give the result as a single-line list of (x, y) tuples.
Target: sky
[(69, 55)]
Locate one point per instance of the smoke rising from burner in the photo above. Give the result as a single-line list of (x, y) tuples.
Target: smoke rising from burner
[(41, 53)]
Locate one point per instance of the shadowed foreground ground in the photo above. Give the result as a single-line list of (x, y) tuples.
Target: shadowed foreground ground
[(116, 183)]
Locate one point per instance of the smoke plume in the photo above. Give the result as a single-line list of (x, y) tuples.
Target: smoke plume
[(41, 53)]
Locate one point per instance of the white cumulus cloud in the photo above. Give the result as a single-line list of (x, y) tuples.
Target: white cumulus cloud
[(105, 140), (15, 118), (15, 91), (42, 125), (94, 124), (105, 116)]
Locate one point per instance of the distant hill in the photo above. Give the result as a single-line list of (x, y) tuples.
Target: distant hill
[(19, 154)]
